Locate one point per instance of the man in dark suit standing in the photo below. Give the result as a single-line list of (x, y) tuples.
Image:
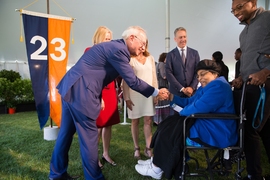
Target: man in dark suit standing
[(180, 66), (80, 90)]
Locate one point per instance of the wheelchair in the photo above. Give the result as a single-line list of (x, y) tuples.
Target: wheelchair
[(217, 164)]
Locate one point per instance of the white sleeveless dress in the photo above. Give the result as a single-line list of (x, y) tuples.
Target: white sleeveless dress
[(142, 106)]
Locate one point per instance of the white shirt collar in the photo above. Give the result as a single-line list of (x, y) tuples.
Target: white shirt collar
[(185, 50)]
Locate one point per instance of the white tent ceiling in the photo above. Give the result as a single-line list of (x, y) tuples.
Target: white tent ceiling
[(209, 23)]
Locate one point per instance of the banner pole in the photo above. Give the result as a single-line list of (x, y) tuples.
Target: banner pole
[(48, 6), (48, 12)]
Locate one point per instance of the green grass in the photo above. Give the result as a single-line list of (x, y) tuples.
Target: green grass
[(25, 155)]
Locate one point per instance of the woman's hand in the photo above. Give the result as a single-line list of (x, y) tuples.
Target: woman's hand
[(102, 107), (155, 99), (129, 104)]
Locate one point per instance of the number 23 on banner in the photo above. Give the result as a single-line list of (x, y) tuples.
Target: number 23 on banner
[(61, 55)]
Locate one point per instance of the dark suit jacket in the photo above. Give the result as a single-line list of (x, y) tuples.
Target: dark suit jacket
[(82, 84), (180, 75)]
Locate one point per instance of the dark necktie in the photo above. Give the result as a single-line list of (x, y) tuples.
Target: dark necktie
[(183, 55)]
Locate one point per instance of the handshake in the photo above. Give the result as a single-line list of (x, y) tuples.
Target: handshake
[(163, 94)]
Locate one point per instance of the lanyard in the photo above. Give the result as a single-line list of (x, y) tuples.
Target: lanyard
[(261, 102)]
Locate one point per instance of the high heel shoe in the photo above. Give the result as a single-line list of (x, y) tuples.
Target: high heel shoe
[(100, 165), (138, 156), (148, 152), (111, 163)]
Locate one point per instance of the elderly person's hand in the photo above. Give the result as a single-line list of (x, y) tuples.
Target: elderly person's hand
[(163, 94)]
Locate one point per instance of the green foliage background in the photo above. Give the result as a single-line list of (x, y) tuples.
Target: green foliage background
[(14, 90)]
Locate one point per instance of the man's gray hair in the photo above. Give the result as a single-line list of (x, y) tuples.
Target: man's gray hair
[(179, 29), (133, 30)]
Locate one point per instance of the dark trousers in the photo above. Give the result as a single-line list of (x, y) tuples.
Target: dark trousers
[(253, 137), (72, 121), (167, 143)]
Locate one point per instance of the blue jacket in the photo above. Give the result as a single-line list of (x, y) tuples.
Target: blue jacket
[(215, 97), (82, 84)]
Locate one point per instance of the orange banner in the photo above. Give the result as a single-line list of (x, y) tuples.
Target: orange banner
[(58, 46)]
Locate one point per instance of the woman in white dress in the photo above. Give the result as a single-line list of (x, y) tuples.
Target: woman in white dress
[(138, 105)]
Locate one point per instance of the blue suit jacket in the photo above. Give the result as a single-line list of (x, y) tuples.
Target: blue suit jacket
[(180, 75), (82, 84)]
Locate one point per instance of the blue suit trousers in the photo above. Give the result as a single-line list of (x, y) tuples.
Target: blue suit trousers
[(72, 121)]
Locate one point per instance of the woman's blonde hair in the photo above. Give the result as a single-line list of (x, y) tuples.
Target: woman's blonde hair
[(100, 34), (146, 52)]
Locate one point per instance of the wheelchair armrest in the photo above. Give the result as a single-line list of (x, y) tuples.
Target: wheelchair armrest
[(214, 116)]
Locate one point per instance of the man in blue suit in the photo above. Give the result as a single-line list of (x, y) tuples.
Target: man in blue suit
[(181, 63), (80, 90)]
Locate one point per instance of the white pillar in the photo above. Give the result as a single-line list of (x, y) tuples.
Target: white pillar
[(167, 37), (125, 114)]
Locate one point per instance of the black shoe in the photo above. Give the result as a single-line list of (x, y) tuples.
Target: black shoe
[(227, 164), (65, 177)]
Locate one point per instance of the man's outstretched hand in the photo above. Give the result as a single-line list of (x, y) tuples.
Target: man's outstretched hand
[(163, 94)]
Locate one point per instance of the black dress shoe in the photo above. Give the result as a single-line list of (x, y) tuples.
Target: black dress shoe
[(65, 177)]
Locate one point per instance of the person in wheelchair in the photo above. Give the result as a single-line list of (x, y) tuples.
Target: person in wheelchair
[(213, 96)]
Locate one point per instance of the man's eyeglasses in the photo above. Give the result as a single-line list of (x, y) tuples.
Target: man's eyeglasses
[(142, 42), (239, 7)]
